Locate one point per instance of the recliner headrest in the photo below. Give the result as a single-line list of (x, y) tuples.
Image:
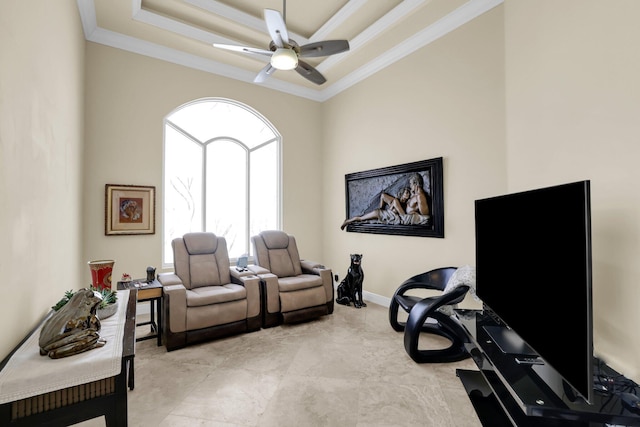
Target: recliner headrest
[(200, 243), (275, 239)]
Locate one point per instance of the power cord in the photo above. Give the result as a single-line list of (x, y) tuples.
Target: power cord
[(616, 386)]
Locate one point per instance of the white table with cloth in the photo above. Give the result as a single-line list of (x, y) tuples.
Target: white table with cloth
[(38, 390)]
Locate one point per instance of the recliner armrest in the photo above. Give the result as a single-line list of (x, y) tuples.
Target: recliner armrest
[(251, 283), (236, 276), (167, 279), (311, 267), (256, 269), (175, 296), (272, 291)]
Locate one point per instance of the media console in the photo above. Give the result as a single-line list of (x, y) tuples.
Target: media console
[(521, 390)]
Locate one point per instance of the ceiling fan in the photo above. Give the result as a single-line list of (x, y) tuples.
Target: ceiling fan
[(285, 54)]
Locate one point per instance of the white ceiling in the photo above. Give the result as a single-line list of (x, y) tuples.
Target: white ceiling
[(380, 32)]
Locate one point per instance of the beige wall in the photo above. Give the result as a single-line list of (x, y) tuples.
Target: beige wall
[(41, 122), (446, 100), (532, 93), (573, 103), (128, 96)]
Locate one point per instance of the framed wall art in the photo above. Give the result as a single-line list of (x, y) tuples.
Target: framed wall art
[(129, 209), (405, 200)]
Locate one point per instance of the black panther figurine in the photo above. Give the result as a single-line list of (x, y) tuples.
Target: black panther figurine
[(350, 289)]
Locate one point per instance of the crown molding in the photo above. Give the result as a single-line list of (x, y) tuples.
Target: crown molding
[(389, 19), (174, 56), (443, 26), (236, 15), (457, 18), (338, 19)]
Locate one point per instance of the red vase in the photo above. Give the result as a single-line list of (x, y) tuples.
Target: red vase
[(101, 273)]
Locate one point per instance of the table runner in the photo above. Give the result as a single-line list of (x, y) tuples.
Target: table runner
[(29, 374)]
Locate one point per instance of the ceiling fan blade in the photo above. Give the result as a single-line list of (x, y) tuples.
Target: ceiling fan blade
[(310, 73), (276, 26), (244, 49), (264, 73), (324, 48)]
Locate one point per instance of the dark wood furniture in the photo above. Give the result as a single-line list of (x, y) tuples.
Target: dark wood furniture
[(79, 403), (152, 292), (507, 393)]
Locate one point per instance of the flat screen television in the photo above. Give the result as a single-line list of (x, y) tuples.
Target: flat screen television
[(533, 271)]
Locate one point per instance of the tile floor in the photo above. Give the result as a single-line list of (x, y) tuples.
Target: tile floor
[(346, 369)]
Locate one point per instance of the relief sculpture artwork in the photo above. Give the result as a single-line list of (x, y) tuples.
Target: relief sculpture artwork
[(73, 328), (410, 207), (404, 199)]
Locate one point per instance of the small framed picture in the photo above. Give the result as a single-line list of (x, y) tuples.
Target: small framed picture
[(129, 209)]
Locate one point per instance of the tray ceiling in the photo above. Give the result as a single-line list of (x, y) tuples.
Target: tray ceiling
[(380, 32)]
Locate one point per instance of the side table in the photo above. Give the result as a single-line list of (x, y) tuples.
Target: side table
[(152, 292)]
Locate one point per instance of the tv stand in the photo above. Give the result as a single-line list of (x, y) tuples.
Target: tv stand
[(507, 393), (509, 342)]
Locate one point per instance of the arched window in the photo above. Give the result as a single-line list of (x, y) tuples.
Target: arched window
[(221, 173)]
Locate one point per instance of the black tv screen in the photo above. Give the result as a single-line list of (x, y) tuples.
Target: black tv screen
[(533, 270)]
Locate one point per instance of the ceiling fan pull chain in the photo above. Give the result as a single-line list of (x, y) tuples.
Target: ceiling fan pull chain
[(284, 10)]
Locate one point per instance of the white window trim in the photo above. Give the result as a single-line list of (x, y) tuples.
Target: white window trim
[(279, 144)]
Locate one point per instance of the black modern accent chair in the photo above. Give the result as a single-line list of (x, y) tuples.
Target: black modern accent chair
[(424, 316)]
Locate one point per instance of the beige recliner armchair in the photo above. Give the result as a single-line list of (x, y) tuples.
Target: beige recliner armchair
[(204, 298), (294, 290)]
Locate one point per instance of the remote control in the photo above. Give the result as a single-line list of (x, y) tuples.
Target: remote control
[(529, 361)]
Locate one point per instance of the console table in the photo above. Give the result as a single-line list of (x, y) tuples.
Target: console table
[(80, 397), (505, 393)]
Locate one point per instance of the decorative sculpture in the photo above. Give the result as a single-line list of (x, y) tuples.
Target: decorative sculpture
[(350, 289), (151, 274), (73, 328)]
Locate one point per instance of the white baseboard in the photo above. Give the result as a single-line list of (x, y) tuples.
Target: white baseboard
[(376, 299), (370, 296)]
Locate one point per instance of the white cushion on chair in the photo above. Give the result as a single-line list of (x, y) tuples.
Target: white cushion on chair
[(465, 275)]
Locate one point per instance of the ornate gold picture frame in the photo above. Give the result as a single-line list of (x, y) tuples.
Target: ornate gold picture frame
[(129, 209)]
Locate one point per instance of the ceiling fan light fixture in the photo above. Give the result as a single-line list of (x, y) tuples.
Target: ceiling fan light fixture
[(284, 52), (284, 59)]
